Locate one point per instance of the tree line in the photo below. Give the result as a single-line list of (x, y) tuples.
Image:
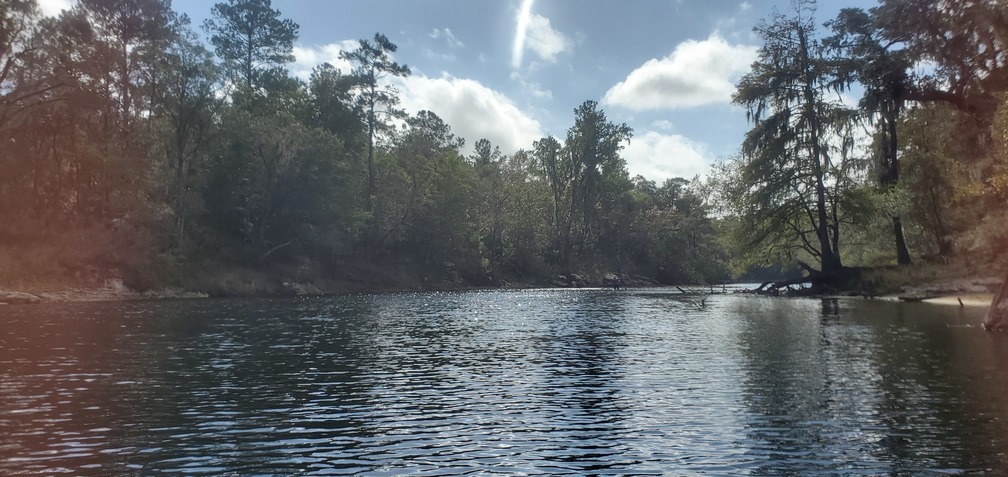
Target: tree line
[(914, 170), (133, 149)]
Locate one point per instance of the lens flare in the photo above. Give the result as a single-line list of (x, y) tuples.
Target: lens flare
[(521, 28)]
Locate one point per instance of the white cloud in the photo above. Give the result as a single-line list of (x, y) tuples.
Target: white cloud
[(738, 25), (663, 124), (543, 40), (846, 99), (307, 58), (431, 54), (538, 91), (54, 7), (695, 74), (659, 156), (472, 110), (448, 37), (532, 87)]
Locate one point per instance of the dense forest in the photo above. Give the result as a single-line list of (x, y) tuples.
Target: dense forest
[(921, 154), (132, 149)]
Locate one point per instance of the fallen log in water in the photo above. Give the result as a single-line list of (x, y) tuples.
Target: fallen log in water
[(815, 282), (997, 315), (17, 298)]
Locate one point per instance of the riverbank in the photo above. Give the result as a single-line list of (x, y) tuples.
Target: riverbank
[(115, 290), (978, 300), (110, 290), (948, 286), (958, 284), (956, 292)]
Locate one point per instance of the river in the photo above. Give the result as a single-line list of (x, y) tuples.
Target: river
[(543, 382)]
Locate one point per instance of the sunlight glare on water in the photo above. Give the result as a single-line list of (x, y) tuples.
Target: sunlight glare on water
[(641, 382)]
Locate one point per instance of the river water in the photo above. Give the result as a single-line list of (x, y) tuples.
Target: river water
[(582, 382)]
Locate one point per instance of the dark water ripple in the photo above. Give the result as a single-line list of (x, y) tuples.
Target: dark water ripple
[(507, 383)]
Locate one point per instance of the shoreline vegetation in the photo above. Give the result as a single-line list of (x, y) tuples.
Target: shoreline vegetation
[(944, 285), (139, 156), (940, 295)]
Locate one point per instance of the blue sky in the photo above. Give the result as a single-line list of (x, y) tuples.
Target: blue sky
[(665, 67)]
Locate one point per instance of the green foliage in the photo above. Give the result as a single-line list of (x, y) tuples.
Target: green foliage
[(933, 173), (942, 181), (596, 179), (184, 102), (964, 40), (794, 158), (276, 183), (252, 39), (674, 235), (883, 71), (376, 98), (332, 107), (18, 20), (135, 153), (426, 208)]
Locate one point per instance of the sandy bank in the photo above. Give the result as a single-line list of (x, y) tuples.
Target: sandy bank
[(947, 299), (111, 290), (977, 299)]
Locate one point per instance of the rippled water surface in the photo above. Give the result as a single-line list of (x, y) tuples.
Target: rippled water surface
[(511, 382)]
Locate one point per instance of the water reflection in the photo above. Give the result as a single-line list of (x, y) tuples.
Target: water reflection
[(582, 375), (532, 382), (878, 391), (807, 379)]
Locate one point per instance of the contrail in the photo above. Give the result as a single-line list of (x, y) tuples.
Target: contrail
[(519, 41)]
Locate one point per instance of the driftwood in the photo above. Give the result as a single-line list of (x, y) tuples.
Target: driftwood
[(17, 298), (997, 315), (818, 282), (775, 287), (697, 298), (704, 290)]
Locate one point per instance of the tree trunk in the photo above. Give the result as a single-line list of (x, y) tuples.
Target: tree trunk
[(902, 253), (890, 176), (830, 260), (370, 162), (180, 197), (997, 316)]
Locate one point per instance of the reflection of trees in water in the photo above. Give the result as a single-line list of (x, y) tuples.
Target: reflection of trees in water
[(429, 369), (58, 391), (255, 376), (941, 403), (788, 389), (279, 386), (850, 385), (580, 381), (830, 308), (461, 376)]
